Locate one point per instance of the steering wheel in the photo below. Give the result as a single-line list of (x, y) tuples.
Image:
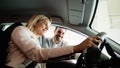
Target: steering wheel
[(90, 57)]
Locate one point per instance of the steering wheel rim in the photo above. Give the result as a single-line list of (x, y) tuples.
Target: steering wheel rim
[(87, 58)]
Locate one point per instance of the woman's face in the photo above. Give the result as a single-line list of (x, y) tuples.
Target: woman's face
[(42, 26)]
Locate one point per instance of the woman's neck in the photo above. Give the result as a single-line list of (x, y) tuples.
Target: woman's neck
[(36, 34)]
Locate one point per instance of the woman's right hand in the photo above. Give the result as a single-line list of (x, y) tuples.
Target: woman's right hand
[(90, 41)]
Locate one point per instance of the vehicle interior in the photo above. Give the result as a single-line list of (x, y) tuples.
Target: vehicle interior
[(79, 17)]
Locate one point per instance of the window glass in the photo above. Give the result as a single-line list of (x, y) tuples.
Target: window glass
[(107, 18), (70, 37)]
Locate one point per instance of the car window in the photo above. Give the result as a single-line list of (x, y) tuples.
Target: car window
[(107, 18), (70, 36), (6, 25)]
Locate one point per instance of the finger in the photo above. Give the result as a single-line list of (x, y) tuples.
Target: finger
[(98, 38), (93, 44), (96, 41)]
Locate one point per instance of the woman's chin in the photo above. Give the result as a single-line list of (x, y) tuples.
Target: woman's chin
[(43, 33)]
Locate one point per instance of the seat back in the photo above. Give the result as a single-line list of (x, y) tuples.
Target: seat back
[(5, 38)]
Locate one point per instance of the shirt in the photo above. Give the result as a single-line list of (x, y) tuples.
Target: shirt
[(52, 44)]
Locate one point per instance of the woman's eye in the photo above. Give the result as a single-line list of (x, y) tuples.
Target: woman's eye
[(45, 24)]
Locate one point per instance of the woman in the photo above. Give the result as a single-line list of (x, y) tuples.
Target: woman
[(24, 43)]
